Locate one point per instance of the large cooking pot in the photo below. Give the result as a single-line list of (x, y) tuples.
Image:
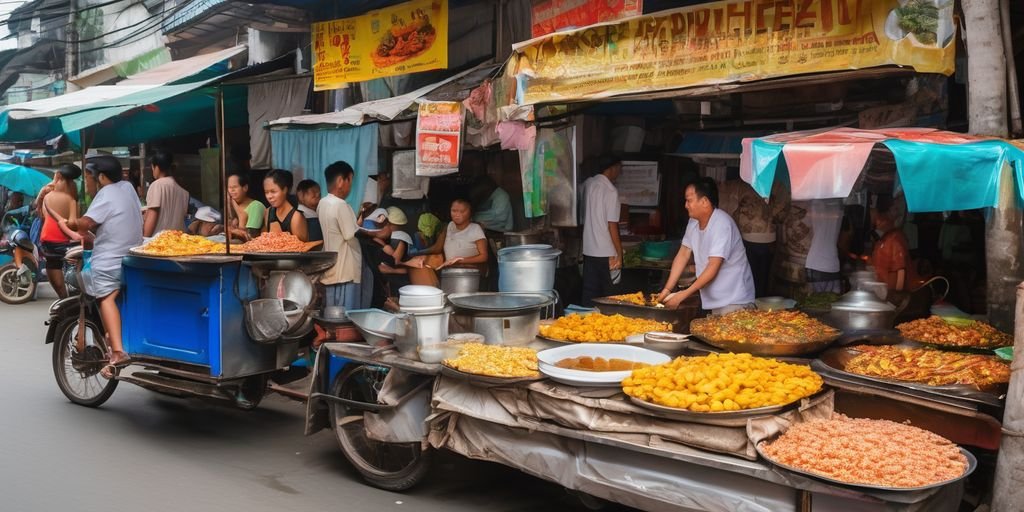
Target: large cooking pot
[(460, 280), (527, 268), (861, 310), (502, 318)]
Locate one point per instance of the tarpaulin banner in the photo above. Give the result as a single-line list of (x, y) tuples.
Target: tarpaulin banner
[(734, 41), (438, 138), (405, 38), (549, 16)]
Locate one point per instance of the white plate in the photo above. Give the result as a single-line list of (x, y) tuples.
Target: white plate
[(549, 358)]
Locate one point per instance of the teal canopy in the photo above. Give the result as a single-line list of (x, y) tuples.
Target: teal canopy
[(22, 179)]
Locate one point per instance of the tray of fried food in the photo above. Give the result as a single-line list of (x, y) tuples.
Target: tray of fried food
[(958, 374), (776, 333), (171, 244), (598, 328), (721, 389), (954, 333), (634, 299), (493, 365), (862, 453)]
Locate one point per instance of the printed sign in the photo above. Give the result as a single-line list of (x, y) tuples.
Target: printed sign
[(438, 138), (549, 16), (405, 38), (734, 41)]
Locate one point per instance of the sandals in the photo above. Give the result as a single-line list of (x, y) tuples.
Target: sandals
[(118, 360)]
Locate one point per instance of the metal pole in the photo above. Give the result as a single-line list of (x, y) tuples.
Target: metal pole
[(225, 200), (1008, 493), (69, 50)]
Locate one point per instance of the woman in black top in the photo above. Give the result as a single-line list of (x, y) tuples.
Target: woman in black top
[(282, 216)]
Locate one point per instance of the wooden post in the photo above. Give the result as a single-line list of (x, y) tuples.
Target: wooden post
[(225, 199), (1008, 491)]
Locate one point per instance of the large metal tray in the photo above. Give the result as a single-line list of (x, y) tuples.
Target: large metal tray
[(972, 464), (491, 302), (834, 362), (679, 318), (308, 262), (721, 419), (486, 380), (770, 350)]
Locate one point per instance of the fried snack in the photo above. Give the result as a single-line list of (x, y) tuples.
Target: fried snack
[(596, 327), (868, 452), (722, 382), (966, 333), (177, 243), (274, 242), (638, 299), (495, 361), (929, 366), (763, 328)]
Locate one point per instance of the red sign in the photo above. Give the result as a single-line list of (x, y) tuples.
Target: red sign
[(438, 138), (553, 15)]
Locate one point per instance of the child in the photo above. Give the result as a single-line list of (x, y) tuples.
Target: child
[(308, 193)]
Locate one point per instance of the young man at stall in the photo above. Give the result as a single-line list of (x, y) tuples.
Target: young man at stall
[(724, 279), (166, 201), (114, 218), (308, 194), (58, 202), (338, 221), (891, 254), (602, 249)]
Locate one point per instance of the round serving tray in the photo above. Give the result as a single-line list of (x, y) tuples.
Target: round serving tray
[(722, 419), (972, 464), (770, 350), (485, 380)]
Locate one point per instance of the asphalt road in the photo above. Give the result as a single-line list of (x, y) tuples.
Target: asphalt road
[(143, 451)]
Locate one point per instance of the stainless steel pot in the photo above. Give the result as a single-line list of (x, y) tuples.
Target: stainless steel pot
[(527, 275), (460, 280), (861, 310), (503, 319)]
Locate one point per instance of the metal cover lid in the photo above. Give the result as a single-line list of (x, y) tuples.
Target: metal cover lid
[(861, 300), (528, 252), (499, 301)]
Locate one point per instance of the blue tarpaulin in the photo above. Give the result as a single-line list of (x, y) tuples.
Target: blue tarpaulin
[(308, 152)]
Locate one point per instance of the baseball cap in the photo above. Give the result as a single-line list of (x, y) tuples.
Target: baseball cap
[(396, 216), (207, 214), (105, 165)]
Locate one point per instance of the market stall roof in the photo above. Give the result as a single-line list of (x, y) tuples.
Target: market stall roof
[(938, 170), (389, 109), (19, 178)]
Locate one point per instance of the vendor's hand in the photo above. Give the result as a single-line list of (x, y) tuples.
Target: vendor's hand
[(417, 262), (453, 261), (614, 263), (664, 293), (675, 299)]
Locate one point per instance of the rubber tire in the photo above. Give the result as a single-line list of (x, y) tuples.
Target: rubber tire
[(260, 383), (62, 337), (32, 288), (396, 482)]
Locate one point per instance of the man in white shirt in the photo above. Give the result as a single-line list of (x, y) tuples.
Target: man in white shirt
[(822, 265), (338, 222), (724, 279), (602, 249)]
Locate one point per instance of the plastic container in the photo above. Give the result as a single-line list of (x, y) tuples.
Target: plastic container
[(418, 296)]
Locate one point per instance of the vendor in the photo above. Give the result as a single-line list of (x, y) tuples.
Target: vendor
[(166, 201), (891, 254), (724, 279), (282, 216), (308, 194), (114, 217), (602, 249), (344, 280), (248, 212), (462, 243)]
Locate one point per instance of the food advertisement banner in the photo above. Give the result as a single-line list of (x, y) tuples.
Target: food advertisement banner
[(734, 41), (405, 38), (438, 138), (549, 16)]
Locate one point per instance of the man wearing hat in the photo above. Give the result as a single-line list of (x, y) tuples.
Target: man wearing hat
[(207, 222), (115, 220), (386, 249)]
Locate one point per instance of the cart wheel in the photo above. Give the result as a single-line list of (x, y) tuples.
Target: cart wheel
[(79, 377), (14, 289), (388, 466)]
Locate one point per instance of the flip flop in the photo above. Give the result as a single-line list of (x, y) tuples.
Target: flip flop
[(113, 368)]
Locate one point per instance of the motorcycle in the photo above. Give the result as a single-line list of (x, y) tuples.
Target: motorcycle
[(18, 279)]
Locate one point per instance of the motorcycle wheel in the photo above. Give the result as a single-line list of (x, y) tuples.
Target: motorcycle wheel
[(12, 289), (388, 466), (80, 379)]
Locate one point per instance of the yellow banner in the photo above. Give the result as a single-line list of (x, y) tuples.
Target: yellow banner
[(405, 38), (735, 41)]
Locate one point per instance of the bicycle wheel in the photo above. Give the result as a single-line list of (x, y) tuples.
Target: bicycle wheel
[(78, 374), (388, 466)]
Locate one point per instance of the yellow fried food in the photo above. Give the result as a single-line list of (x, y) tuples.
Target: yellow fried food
[(495, 361), (176, 243), (639, 299), (596, 327), (722, 382)]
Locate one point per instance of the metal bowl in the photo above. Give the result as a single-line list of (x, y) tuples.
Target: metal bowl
[(669, 343)]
